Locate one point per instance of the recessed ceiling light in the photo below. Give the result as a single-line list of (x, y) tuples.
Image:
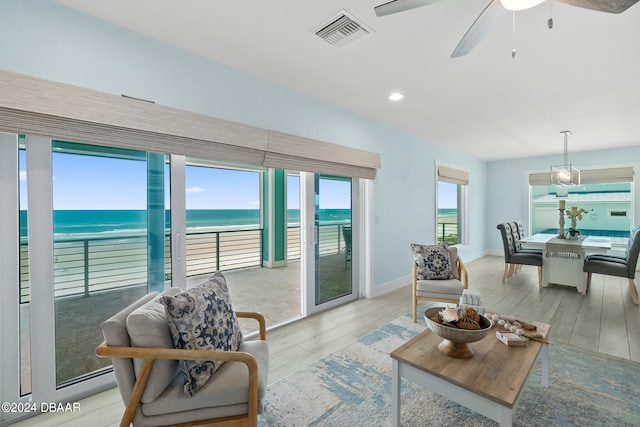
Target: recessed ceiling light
[(396, 96)]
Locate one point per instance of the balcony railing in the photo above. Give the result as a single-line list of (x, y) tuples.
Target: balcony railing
[(293, 242), (222, 250), (448, 232), (86, 265), (331, 239)]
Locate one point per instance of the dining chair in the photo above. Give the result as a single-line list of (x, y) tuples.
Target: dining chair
[(519, 234), (616, 265), (513, 258)]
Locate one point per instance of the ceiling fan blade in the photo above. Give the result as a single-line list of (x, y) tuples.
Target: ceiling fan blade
[(396, 6), (480, 28), (615, 6)]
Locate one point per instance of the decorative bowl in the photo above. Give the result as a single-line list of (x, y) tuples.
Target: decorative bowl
[(455, 340)]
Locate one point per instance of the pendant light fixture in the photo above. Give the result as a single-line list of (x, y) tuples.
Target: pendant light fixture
[(565, 175)]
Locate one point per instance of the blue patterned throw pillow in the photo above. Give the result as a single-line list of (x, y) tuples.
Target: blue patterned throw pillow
[(202, 318), (432, 261)]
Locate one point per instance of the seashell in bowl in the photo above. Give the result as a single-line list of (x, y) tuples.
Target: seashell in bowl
[(450, 315)]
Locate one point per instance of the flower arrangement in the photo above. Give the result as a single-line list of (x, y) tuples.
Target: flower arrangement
[(574, 214)]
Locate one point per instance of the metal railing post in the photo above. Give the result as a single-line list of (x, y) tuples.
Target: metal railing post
[(217, 250), (86, 267)]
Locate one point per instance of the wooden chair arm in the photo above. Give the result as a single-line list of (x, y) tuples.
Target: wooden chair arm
[(462, 272), (150, 354), (257, 316), (104, 350)]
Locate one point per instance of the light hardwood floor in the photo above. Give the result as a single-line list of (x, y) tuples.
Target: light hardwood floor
[(605, 320)]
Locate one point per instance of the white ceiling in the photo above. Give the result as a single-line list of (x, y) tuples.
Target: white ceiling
[(583, 75)]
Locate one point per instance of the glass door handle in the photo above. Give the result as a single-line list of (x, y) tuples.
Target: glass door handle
[(177, 245)]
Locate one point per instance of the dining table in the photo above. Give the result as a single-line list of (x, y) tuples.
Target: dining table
[(562, 258)]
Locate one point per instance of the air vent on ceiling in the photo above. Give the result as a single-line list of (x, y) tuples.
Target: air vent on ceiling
[(341, 29)]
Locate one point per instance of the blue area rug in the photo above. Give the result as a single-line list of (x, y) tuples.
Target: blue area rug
[(352, 387)]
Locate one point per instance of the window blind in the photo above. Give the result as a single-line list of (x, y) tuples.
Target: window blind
[(293, 152), (595, 176), (453, 175), (590, 176), (540, 178), (33, 106)]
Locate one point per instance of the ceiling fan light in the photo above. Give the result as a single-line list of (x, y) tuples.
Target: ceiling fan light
[(520, 4)]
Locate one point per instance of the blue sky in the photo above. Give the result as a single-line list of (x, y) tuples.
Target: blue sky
[(335, 194), (92, 182), (447, 195), (293, 192), (89, 182), (210, 188)]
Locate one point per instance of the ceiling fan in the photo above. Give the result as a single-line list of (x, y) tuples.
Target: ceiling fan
[(495, 10)]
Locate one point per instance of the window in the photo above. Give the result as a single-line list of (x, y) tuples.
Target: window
[(24, 292), (451, 202), (293, 216), (223, 213), (109, 243), (606, 195), (616, 213)]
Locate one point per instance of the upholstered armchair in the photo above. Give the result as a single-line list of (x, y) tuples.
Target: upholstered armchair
[(616, 265), (156, 386), (438, 275)]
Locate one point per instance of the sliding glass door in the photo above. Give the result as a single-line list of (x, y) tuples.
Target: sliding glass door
[(88, 229), (85, 234), (330, 265), (109, 244)]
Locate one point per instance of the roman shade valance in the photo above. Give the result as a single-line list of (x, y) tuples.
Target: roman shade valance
[(453, 175), (590, 176), (71, 113), (293, 152)]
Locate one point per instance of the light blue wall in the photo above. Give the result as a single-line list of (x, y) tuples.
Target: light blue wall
[(507, 188), (43, 39)]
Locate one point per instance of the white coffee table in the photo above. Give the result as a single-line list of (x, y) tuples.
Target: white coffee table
[(489, 383)]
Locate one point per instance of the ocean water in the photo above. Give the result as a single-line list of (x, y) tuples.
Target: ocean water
[(67, 222), (447, 212)]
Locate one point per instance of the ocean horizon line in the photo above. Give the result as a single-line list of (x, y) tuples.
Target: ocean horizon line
[(77, 223)]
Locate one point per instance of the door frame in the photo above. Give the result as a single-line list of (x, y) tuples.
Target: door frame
[(309, 239)]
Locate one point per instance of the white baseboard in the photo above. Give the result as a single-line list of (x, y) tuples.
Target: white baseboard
[(395, 284), (391, 286)]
